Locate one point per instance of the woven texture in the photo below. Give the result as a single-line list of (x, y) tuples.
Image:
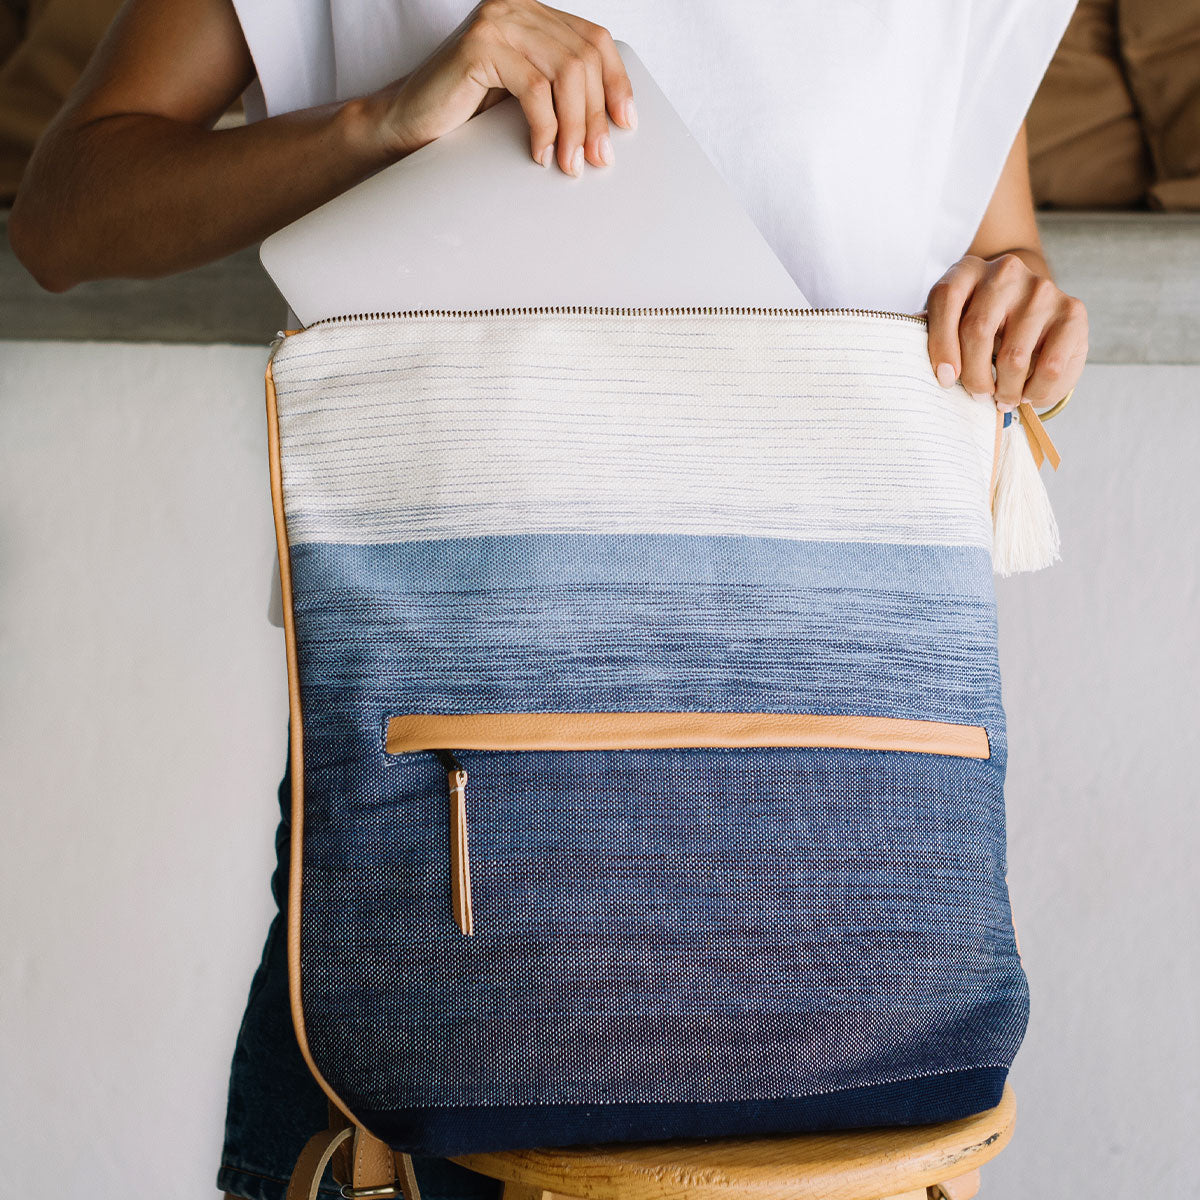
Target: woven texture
[(677, 513)]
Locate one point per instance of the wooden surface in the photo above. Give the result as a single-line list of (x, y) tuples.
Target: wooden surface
[(860, 1165)]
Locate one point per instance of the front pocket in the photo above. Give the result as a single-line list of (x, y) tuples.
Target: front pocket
[(436, 732)]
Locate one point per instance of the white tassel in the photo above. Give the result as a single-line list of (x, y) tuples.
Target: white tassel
[(1024, 532)]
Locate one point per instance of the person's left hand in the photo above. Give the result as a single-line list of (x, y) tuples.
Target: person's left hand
[(998, 310)]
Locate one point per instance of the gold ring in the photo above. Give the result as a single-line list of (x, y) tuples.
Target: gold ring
[(1056, 408)]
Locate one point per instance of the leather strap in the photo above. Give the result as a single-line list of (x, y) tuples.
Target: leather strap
[(374, 1164), (314, 1158), (1039, 439), (371, 1163), (407, 1176), (340, 1163)]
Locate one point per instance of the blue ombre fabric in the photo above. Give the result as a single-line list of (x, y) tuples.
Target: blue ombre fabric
[(678, 512)]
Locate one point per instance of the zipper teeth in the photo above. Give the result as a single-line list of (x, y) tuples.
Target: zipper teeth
[(612, 311)]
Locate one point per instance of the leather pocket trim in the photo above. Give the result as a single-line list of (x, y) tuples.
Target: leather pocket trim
[(669, 730)]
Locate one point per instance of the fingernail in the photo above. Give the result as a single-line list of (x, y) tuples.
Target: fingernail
[(1005, 405), (604, 146), (547, 155), (979, 395), (577, 161), (630, 115), (945, 374)]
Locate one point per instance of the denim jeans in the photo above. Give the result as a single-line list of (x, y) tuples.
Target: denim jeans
[(274, 1104)]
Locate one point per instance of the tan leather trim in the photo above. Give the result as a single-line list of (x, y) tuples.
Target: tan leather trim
[(297, 747), (374, 1162), (460, 859), (1039, 439), (314, 1158), (357, 1157), (996, 458), (407, 1176), (665, 730)]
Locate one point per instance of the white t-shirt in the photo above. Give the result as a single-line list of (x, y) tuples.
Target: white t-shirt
[(863, 137)]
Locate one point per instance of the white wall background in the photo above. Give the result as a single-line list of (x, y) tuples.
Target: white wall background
[(142, 735)]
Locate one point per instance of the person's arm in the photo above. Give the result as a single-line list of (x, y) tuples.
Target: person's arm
[(131, 180), (1000, 299)]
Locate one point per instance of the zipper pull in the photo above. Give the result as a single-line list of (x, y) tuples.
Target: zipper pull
[(460, 863), (281, 335)]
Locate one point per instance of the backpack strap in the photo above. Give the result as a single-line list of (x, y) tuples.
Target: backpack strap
[(365, 1166), (314, 1158)]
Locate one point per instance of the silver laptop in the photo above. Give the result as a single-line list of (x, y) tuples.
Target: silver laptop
[(471, 221)]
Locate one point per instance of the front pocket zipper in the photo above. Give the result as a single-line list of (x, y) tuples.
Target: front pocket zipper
[(460, 862), (649, 731)]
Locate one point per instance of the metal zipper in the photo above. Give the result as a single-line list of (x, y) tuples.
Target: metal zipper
[(593, 310)]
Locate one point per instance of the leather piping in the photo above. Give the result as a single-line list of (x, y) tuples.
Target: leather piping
[(295, 876), (666, 730)]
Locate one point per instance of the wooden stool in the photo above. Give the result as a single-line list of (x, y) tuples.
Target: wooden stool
[(929, 1162)]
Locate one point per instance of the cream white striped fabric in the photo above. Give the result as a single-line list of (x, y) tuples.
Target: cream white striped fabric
[(793, 426)]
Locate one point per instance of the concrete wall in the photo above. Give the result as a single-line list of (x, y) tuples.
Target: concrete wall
[(1100, 658), (143, 725), (142, 736)]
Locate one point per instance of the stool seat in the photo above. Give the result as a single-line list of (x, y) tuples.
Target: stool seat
[(869, 1164)]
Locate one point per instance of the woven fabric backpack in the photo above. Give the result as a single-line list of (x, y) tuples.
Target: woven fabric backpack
[(648, 749)]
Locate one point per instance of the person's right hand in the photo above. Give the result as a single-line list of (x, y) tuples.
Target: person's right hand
[(564, 71)]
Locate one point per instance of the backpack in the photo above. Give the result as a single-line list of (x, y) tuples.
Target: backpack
[(648, 747)]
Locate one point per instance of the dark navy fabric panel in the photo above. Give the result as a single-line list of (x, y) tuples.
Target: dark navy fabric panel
[(652, 927), (479, 1130), (660, 926)]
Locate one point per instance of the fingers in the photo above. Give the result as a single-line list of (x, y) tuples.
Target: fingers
[(572, 67), (1023, 328), (997, 312), (582, 42), (996, 297), (565, 81), (574, 70), (618, 91), (597, 145), (1059, 360), (564, 71), (944, 308), (534, 94)]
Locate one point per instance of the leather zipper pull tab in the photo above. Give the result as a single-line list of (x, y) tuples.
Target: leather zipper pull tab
[(1039, 440), (460, 862)]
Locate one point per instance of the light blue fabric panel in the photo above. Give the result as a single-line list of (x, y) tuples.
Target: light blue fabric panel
[(648, 623)]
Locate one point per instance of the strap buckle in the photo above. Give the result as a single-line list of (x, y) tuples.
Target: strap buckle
[(387, 1192)]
